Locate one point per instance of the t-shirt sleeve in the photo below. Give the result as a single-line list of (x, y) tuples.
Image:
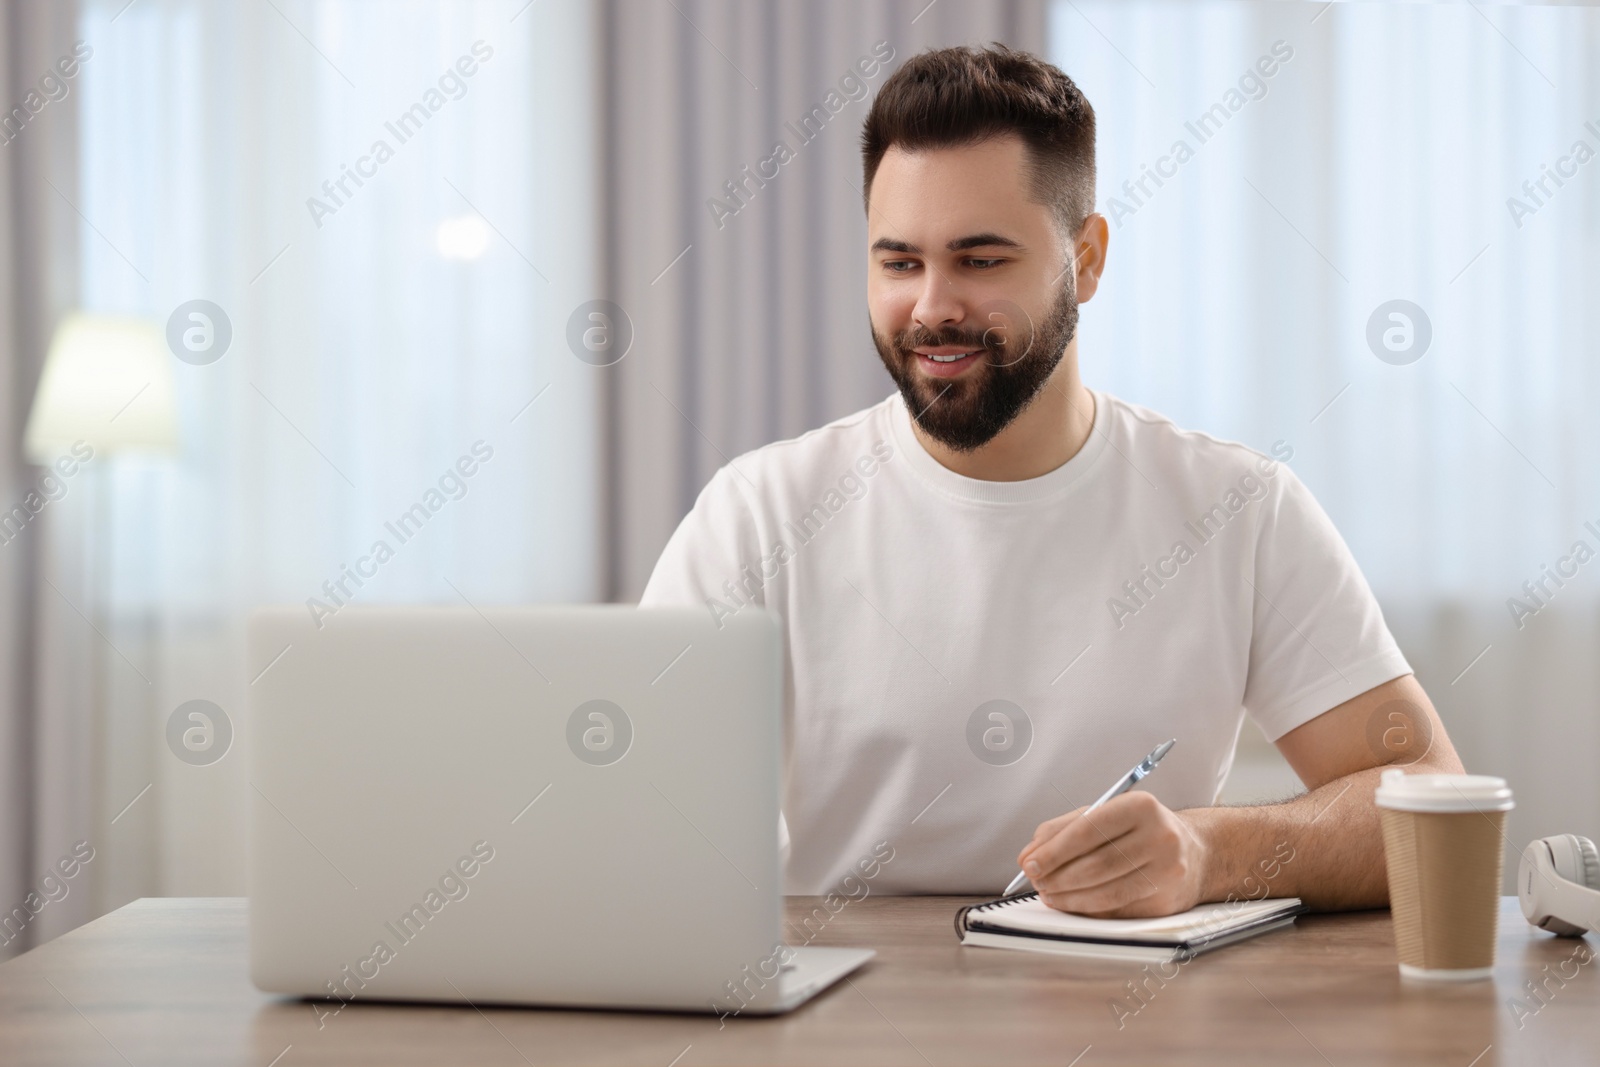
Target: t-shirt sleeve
[(1317, 637), (709, 549)]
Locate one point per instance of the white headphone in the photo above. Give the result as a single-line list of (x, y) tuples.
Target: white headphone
[(1559, 884)]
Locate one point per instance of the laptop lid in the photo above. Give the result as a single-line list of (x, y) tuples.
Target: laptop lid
[(563, 805)]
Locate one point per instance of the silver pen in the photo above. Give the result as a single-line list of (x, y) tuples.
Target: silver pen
[(1127, 782)]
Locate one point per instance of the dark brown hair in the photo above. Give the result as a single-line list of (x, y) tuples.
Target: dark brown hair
[(951, 97)]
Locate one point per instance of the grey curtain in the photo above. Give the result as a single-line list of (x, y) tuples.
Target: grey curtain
[(46, 760), (747, 304)]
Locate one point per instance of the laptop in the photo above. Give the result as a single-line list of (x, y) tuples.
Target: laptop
[(560, 806)]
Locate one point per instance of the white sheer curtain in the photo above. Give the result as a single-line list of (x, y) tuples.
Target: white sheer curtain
[(1375, 164), (373, 345)]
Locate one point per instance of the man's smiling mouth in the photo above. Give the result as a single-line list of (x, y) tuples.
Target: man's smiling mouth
[(945, 361), (946, 353)]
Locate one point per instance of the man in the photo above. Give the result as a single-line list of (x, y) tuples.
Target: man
[(1000, 589)]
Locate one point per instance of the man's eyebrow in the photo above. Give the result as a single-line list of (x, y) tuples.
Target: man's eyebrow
[(889, 244), (982, 240), (960, 244)]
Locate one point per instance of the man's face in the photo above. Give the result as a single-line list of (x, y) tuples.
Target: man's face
[(969, 289)]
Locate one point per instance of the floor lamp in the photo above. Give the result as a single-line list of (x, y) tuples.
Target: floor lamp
[(107, 382)]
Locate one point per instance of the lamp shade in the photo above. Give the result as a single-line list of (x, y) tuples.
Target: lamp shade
[(107, 381)]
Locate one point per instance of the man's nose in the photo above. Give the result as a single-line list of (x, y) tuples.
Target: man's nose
[(939, 303)]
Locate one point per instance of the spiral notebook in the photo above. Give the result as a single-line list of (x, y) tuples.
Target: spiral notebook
[(1025, 922)]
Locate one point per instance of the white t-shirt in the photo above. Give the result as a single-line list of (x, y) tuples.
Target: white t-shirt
[(968, 658)]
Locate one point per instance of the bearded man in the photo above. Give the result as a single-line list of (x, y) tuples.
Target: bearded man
[(1001, 588)]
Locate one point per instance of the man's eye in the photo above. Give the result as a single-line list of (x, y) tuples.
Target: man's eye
[(898, 266), (985, 264)]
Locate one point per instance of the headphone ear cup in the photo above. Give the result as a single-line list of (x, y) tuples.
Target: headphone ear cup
[(1577, 860), (1591, 862)]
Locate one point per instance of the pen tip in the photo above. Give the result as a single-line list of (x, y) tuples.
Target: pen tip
[(1165, 747)]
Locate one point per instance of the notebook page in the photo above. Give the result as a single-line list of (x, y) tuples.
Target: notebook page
[(1028, 913)]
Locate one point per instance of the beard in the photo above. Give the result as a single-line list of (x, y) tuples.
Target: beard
[(1017, 359)]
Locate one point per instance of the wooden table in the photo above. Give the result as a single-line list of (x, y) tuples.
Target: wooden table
[(163, 982)]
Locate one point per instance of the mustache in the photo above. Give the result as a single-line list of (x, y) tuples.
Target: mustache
[(921, 337), (1000, 347), (1001, 329)]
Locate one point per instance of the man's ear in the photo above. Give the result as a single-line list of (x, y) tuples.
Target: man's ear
[(1089, 252)]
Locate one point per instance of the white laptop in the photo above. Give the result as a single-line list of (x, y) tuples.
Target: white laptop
[(572, 806)]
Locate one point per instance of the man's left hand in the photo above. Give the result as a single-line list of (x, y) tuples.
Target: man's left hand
[(1132, 857)]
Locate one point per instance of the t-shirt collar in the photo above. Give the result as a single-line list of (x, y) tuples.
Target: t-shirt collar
[(1031, 490)]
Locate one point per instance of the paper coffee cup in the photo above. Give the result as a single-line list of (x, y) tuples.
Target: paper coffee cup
[(1444, 842)]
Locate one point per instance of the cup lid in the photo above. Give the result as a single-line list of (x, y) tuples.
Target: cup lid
[(1442, 792)]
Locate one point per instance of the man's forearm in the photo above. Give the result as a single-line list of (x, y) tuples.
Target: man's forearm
[(1324, 846), (1333, 833), (1135, 857)]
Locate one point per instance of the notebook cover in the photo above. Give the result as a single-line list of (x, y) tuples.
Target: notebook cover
[(1192, 945)]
